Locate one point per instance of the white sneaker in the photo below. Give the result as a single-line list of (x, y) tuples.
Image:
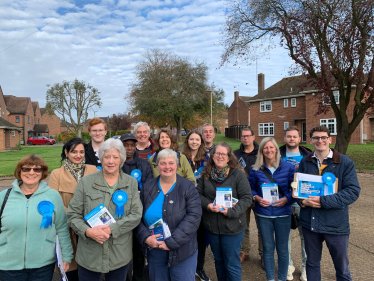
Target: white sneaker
[(303, 273), (291, 270)]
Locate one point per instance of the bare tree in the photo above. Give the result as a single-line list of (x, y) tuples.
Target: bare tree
[(72, 100), (330, 41)]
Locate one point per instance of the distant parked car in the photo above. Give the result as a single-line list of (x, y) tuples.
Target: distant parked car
[(40, 140), (116, 137)]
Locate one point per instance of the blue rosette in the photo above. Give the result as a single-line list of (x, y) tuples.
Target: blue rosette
[(120, 198), (329, 179), (137, 174), (46, 209)]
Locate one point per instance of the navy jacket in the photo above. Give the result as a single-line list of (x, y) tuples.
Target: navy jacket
[(304, 151), (140, 164), (249, 158), (283, 175), (332, 217), (182, 213)]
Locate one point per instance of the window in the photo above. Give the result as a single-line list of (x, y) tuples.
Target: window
[(17, 119), (13, 133), (28, 119), (265, 106), (285, 103), (329, 123), (293, 102), (286, 125), (266, 129), (327, 101), (336, 96), (38, 121)]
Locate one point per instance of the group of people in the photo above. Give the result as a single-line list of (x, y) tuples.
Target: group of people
[(144, 182)]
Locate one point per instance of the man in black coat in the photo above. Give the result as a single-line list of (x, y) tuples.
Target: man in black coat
[(247, 155), (134, 162)]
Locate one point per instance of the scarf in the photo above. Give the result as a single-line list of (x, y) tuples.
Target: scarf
[(76, 170), (219, 176)]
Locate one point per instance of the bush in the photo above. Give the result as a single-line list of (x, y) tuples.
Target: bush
[(18, 145)]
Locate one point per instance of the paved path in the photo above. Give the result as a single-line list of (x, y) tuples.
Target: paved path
[(361, 246)]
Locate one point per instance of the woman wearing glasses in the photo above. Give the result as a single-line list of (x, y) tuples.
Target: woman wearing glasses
[(33, 215), (225, 226), (65, 179)]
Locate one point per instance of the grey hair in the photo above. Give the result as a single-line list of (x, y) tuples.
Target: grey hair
[(260, 156), (137, 125), (166, 153), (111, 144), (206, 124)]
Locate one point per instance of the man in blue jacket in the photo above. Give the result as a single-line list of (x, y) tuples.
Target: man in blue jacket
[(325, 218)]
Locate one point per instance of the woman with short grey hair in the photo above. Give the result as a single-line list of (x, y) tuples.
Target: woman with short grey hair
[(166, 153), (106, 247)]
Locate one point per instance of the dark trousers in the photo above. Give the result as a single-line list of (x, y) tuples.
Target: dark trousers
[(114, 275), (136, 266), (338, 247), (44, 273), (226, 249), (159, 270), (201, 246), (72, 275)]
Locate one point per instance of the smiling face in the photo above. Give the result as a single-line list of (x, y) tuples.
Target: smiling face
[(292, 139), (98, 133), (31, 179), (167, 167), (321, 145), (269, 151), (220, 157), (111, 161), (208, 135), (142, 134), (194, 142), (165, 141), (76, 155)]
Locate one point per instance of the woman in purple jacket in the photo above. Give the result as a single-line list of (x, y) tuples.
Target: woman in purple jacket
[(272, 207)]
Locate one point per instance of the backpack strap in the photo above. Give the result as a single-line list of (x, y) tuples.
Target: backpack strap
[(267, 174), (3, 205)]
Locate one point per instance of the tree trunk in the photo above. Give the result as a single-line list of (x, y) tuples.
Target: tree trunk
[(78, 133), (342, 142), (178, 121)]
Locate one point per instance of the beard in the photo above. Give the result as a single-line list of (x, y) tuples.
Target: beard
[(292, 146)]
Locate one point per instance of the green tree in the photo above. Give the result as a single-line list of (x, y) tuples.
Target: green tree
[(330, 41), (72, 100), (168, 89)]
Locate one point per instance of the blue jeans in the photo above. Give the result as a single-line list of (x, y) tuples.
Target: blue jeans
[(226, 249), (44, 273), (159, 270), (338, 247), (281, 227), (114, 275), (296, 210)]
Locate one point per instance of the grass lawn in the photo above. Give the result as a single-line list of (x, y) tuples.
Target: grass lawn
[(361, 154)]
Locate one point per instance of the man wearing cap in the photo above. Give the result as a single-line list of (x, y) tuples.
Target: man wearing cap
[(134, 162)]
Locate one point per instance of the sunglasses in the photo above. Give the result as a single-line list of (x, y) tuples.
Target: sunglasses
[(27, 169)]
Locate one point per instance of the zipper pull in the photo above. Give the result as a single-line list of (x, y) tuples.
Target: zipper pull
[(27, 204)]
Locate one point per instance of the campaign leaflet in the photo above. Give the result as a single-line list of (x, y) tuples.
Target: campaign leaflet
[(242, 163), (224, 197), (270, 192), (311, 185), (99, 216), (160, 227), (294, 160), (59, 261)]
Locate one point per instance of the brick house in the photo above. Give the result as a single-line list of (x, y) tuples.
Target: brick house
[(10, 134), (52, 120), (284, 104)]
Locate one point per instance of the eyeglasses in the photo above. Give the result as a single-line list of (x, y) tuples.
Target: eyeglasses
[(97, 131), (27, 169), (220, 154), (324, 138), (247, 136)]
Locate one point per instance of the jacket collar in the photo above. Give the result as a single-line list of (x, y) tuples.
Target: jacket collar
[(43, 187), (100, 182), (335, 156), (255, 148)]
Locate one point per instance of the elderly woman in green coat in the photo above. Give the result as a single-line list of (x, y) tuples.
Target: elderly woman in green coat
[(107, 247)]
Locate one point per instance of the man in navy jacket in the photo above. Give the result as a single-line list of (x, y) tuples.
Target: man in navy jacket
[(325, 218)]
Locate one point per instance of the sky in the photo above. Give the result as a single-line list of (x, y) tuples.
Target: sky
[(101, 41)]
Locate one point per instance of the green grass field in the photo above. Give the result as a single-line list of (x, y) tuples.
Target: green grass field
[(361, 154)]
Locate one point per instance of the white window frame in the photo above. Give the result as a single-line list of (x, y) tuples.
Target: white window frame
[(329, 123), (17, 119), (336, 95), (262, 127), (286, 125), (13, 133), (285, 103), (264, 106), (293, 102)]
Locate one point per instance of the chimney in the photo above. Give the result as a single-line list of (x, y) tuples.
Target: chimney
[(261, 82), (236, 95)]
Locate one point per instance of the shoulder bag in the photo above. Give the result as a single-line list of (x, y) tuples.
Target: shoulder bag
[(3, 205)]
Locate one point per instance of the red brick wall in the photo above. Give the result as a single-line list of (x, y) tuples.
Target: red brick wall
[(278, 116), (23, 121), (37, 115), (53, 122), (2, 106), (4, 139), (238, 113)]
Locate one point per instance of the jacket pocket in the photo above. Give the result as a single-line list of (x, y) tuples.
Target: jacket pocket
[(93, 200)]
